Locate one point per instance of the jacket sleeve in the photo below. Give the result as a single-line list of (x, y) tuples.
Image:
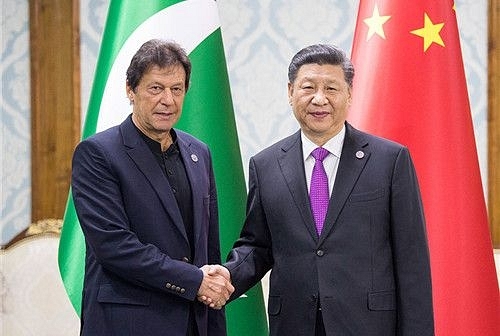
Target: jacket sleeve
[(411, 253), (251, 256)]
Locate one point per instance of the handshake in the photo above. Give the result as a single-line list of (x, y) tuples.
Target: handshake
[(216, 287)]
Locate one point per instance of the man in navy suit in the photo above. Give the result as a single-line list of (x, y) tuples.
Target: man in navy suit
[(363, 268), (146, 201)]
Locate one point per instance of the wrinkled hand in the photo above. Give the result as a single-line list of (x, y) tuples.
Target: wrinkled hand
[(215, 287)]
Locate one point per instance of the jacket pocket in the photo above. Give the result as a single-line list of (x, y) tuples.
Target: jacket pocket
[(382, 300), (274, 305), (114, 293), (367, 196)]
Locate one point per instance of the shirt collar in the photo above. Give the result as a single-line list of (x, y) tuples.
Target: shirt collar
[(155, 146), (334, 145)]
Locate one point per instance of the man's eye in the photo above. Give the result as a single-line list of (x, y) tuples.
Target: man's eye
[(155, 89), (177, 90)]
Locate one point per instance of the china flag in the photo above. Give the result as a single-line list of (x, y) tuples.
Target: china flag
[(410, 87)]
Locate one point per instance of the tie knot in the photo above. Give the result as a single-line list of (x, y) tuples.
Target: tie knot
[(319, 153)]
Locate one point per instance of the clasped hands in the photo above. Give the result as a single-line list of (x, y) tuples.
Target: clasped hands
[(216, 287)]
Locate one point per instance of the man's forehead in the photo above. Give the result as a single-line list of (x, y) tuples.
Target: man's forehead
[(174, 69), (314, 70)]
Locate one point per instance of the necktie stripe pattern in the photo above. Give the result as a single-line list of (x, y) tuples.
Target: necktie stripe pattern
[(319, 189)]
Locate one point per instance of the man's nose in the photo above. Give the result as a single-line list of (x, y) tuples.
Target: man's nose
[(319, 97), (167, 97)]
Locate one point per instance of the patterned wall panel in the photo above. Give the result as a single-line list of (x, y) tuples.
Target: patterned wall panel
[(260, 37), (15, 150)]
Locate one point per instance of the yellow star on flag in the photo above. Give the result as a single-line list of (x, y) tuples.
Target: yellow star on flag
[(430, 32), (375, 24)]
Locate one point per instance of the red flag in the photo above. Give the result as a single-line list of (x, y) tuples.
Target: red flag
[(410, 87)]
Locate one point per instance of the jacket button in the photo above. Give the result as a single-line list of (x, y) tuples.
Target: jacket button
[(186, 259), (183, 290), (320, 253), (168, 285)]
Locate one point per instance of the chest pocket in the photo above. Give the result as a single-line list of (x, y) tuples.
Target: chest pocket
[(367, 196)]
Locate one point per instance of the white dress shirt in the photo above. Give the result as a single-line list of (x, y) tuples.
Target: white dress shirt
[(331, 161)]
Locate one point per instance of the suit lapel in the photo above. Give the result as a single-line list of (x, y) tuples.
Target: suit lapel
[(191, 161), (142, 156), (355, 155), (293, 173)]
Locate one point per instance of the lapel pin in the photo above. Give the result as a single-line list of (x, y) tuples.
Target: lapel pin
[(360, 154), (194, 157)]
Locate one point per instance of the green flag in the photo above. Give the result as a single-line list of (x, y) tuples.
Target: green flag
[(207, 114)]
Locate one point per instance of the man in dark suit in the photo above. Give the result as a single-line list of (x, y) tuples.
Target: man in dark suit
[(146, 201), (353, 259)]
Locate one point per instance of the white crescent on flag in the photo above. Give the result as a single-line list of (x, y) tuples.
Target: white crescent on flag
[(187, 23)]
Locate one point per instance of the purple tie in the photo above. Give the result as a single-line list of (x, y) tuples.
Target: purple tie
[(319, 188)]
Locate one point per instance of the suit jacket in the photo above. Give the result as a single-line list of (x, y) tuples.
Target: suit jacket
[(140, 276), (369, 270)]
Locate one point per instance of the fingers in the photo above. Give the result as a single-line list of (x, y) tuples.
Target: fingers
[(221, 270), (216, 287)]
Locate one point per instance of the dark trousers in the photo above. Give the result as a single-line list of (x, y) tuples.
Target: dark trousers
[(192, 329)]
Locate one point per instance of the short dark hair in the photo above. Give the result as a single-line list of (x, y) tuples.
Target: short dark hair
[(321, 54), (160, 53)]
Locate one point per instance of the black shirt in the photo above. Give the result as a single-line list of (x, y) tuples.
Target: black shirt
[(173, 168)]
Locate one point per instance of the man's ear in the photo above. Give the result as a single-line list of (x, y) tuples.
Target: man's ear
[(290, 93), (130, 93)]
